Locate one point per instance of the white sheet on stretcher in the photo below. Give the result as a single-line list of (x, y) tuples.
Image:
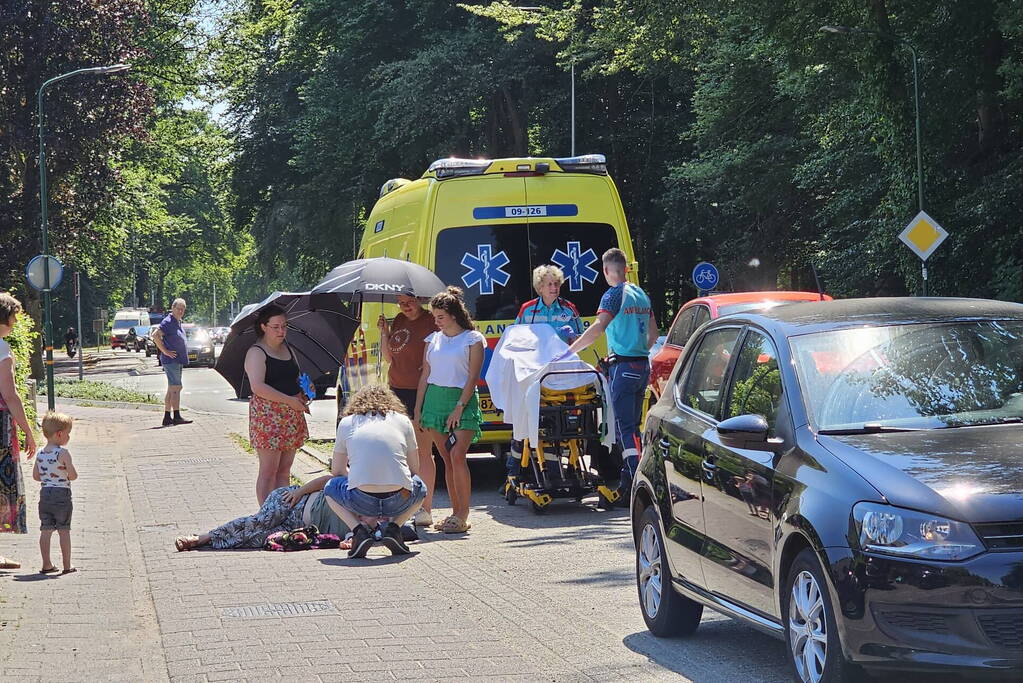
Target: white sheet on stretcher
[(523, 354)]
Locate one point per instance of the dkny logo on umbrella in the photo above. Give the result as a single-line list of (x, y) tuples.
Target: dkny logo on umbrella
[(383, 287)]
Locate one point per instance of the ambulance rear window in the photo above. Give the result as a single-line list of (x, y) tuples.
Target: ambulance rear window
[(494, 264)]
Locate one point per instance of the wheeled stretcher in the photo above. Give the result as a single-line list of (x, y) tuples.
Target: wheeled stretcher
[(557, 464)]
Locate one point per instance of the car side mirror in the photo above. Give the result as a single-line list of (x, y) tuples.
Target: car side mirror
[(747, 431)]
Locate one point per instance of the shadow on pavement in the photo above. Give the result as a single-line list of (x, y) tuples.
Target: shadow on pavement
[(757, 652), (367, 561)]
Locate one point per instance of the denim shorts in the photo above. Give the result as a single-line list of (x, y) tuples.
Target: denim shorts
[(173, 372), (55, 508), (364, 504)]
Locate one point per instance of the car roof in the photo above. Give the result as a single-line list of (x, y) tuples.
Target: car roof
[(845, 313), (716, 301)]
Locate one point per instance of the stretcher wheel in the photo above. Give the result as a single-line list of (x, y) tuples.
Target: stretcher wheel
[(537, 508), (603, 503), (510, 496)]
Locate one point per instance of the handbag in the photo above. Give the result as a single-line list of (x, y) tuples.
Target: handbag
[(305, 538)]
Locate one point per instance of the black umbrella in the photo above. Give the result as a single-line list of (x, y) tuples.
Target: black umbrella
[(317, 334), (378, 279)]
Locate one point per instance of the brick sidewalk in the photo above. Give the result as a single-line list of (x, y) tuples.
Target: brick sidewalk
[(521, 597)]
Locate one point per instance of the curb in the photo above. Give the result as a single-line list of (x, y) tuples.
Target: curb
[(155, 407), (316, 455)]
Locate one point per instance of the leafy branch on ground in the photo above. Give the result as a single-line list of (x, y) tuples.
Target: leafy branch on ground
[(97, 391)]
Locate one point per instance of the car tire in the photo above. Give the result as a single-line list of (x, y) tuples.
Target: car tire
[(815, 655), (665, 611)]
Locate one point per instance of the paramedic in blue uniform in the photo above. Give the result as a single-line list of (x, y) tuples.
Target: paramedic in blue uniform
[(549, 308), (626, 316)]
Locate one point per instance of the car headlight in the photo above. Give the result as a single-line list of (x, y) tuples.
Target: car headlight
[(908, 533), (206, 349)]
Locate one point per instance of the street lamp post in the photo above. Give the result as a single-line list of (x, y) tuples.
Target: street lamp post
[(47, 312), (846, 30)]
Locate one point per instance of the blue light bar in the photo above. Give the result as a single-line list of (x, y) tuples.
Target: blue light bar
[(453, 166), (587, 163)]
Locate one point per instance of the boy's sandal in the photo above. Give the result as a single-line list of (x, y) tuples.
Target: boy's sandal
[(51, 570), (183, 543), (455, 525), (69, 571)]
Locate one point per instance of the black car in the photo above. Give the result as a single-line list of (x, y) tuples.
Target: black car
[(847, 476)]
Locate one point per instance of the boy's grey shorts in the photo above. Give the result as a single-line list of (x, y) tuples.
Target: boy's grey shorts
[(54, 508)]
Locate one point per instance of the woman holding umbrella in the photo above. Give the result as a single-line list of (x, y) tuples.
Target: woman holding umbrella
[(447, 401), (277, 426)]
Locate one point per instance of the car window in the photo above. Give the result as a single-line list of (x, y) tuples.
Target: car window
[(756, 381), (702, 316), (706, 377), (683, 327)]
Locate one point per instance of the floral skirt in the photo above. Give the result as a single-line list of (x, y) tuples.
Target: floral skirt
[(12, 486), (275, 426), (251, 532)]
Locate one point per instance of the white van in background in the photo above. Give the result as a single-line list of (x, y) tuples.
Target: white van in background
[(124, 320)]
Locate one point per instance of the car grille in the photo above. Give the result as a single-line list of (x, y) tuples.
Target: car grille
[(1001, 535), (1003, 630), (916, 621)]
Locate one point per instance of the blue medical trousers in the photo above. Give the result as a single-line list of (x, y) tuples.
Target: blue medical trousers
[(628, 381)]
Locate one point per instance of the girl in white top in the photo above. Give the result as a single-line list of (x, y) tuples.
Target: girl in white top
[(447, 400)]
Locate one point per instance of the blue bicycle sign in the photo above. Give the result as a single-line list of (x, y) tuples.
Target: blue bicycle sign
[(705, 276)]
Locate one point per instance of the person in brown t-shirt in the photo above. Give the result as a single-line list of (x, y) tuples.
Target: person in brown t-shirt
[(402, 344)]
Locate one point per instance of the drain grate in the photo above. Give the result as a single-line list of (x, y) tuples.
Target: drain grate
[(279, 609)]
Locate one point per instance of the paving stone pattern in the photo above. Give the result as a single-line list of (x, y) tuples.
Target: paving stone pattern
[(521, 597)]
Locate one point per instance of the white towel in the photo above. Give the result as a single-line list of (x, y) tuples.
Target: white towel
[(522, 356)]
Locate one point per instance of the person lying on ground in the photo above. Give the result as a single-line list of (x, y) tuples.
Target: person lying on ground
[(285, 509), (376, 487)]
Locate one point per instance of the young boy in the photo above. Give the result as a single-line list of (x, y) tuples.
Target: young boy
[(55, 471)]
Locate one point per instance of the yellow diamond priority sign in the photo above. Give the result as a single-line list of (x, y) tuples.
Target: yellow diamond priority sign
[(923, 235)]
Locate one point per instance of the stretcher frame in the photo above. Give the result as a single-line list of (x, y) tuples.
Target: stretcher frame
[(565, 428)]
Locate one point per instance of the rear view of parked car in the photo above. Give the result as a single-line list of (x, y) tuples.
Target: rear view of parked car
[(846, 476)]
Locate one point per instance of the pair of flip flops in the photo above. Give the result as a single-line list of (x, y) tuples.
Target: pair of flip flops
[(54, 570), (452, 524)]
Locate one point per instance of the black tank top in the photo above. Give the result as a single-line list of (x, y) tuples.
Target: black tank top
[(282, 375)]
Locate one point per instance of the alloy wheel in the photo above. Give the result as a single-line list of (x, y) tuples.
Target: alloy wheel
[(808, 628), (650, 571)]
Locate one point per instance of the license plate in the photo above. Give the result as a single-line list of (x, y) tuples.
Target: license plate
[(487, 406), (193, 356)]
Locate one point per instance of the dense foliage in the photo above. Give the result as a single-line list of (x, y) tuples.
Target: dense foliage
[(737, 132), (23, 340)]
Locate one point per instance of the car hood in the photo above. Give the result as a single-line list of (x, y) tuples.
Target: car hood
[(193, 345), (970, 473)]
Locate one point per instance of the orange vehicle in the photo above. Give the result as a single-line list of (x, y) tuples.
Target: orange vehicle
[(698, 311)]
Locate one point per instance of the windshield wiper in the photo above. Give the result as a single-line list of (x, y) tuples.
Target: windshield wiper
[(985, 423), (868, 428)]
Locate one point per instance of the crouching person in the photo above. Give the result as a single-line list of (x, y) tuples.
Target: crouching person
[(376, 486)]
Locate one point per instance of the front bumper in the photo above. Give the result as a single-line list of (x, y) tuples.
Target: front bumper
[(895, 613)]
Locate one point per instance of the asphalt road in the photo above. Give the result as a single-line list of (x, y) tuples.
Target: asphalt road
[(204, 390)]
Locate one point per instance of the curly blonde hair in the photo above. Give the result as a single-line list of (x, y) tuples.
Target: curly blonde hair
[(374, 399), (545, 271)]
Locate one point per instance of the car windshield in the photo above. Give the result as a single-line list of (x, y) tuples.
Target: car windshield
[(912, 376), (124, 325), (197, 334)]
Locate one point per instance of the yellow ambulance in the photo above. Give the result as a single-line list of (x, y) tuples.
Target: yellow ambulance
[(483, 225)]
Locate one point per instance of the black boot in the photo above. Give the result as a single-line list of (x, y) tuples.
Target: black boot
[(178, 420), (168, 421)]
